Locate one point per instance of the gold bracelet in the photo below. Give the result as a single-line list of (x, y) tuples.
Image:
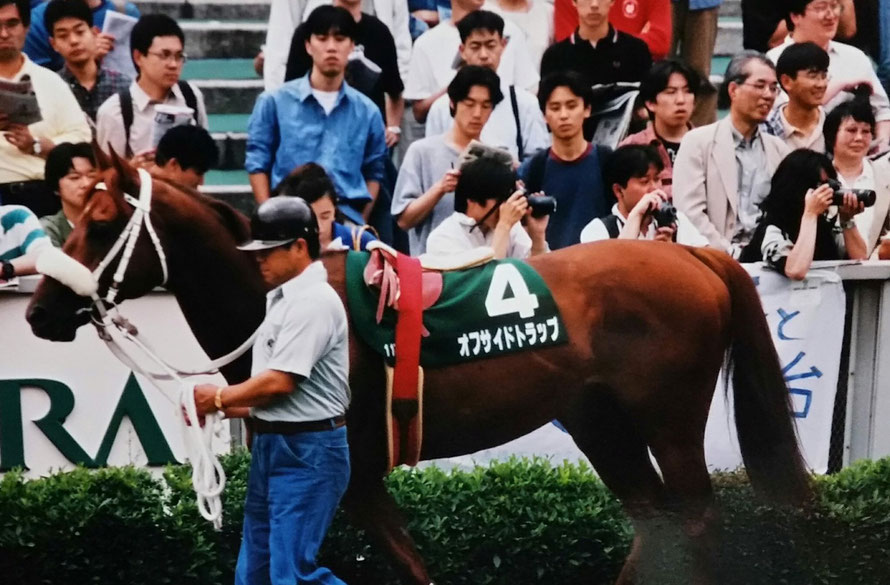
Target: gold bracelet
[(217, 400)]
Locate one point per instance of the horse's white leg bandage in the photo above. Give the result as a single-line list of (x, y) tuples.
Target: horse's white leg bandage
[(56, 264)]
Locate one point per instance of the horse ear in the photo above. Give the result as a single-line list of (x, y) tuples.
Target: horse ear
[(102, 160), (128, 176)]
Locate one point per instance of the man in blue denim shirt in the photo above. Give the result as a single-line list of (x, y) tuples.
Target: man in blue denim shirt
[(319, 118)]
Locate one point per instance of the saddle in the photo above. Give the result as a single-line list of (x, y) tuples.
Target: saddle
[(409, 286)]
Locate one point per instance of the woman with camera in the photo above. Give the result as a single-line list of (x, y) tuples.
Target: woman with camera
[(849, 130), (803, 220)]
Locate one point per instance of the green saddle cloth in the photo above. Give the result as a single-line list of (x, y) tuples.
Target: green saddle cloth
[(501, 307)]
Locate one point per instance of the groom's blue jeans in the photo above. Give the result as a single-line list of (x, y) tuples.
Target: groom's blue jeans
[(295, 484)]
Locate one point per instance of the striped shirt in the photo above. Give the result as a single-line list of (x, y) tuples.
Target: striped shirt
[(20, 232)]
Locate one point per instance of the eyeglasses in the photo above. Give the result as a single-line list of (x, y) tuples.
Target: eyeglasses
[(823, 8), (170, 56), (763, 87)]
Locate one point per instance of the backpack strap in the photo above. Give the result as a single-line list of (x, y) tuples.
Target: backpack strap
[(191, 100), (611, 223), (519, 142), (534, 180), (127, 116)]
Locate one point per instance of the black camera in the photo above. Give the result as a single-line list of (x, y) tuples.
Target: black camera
[(541, 205), (864, 196), (665, 215)]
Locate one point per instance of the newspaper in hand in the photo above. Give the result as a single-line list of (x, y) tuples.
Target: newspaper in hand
[(168, 116), (119, 26), (19, 102)]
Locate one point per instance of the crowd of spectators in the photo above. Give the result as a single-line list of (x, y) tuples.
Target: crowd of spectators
[(370, 106)]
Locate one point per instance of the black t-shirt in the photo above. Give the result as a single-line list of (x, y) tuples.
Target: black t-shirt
[(375, 43), (671, 147), (616, 57)]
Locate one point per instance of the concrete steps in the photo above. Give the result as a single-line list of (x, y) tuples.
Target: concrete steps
[(230, 186), (229, 96), (223, 39), (208, 9)]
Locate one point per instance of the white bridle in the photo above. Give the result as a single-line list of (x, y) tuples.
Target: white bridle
[(122, 338)]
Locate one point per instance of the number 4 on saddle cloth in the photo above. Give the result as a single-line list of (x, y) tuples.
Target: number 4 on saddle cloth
[(417, 315)]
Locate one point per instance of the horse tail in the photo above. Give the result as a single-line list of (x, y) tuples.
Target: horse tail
[(762, 403)]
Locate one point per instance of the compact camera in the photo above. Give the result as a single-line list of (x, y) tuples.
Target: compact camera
[(665, 215)]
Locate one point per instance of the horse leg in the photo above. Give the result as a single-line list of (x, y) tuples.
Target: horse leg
[(607, 435), (688, 491), (372, 508)]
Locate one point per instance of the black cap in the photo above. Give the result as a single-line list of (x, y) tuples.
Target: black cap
[(279, 221)]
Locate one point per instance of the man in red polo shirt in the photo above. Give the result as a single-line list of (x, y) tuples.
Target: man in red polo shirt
[(649, 20)]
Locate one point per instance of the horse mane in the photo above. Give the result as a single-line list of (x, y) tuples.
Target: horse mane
[(233, 220)]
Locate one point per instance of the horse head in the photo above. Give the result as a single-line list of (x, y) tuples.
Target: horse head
[(56, 311)]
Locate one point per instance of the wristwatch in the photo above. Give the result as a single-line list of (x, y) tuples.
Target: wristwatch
[(848, 224), (8, 271), (394, 129), (36, 148)]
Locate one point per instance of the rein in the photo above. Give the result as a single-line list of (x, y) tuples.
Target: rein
[(124, 342)]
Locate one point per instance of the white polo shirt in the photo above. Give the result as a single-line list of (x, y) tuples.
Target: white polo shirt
[(456, 234), (846, 63), (305, 333)]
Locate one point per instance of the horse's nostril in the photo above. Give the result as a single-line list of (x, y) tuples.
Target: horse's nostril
[(36, 316)]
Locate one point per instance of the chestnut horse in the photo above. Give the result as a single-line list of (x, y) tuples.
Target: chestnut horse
[(649, 327)]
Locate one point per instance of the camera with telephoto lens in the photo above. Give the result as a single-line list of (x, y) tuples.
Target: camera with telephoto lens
[(541, 205), (665, 215), (865, 196)]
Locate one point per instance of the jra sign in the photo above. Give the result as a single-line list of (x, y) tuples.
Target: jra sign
[(64, 404), (132, 404)]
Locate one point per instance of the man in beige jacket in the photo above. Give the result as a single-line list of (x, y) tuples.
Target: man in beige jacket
[(723, 170)]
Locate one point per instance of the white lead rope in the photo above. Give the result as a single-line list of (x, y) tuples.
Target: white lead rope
[(208, 476)]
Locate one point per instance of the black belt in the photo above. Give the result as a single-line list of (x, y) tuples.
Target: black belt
[(291, 428)]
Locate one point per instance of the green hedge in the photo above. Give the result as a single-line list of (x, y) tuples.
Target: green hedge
[(517, 522)]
